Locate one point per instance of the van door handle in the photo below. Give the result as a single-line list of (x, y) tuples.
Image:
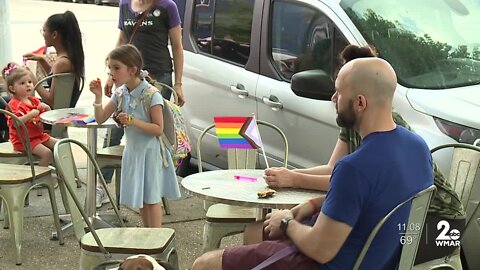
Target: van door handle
[(273, 102), (239, 89)]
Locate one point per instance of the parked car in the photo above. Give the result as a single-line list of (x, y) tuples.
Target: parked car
[(240, 57)]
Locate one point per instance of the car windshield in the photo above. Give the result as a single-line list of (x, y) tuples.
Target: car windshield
[(432, 44)]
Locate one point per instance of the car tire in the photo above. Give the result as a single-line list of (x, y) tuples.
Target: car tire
[(98, 2)]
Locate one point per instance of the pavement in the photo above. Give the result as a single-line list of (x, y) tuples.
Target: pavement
[(98, 26), (39, 252)]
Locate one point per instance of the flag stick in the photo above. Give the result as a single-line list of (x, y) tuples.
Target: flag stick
[(265, 157), (260, 137)]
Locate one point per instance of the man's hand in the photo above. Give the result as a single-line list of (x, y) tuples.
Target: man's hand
[(279, 177), (272, 223), (107, 89)]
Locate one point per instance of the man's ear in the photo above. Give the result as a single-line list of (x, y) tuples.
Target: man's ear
[(361, 103)]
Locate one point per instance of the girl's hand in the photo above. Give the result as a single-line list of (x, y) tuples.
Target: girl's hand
[(96, 87), (31, 56), (125, 119), (42, 107)]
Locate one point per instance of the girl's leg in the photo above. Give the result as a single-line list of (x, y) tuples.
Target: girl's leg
[(144, 216), (152, 215), (44, 153)]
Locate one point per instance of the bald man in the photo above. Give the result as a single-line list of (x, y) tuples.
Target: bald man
[(391, 165)]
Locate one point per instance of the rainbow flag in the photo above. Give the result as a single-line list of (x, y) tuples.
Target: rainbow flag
[(237, 132), (77, 119)]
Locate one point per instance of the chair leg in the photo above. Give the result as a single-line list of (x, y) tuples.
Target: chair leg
[(56, 217), (6, 223), (214, 232), (166, 205), (14, 200), (118, 178), (173, 259)]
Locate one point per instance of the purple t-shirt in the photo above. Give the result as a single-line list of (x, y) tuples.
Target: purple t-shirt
[(152, 35)]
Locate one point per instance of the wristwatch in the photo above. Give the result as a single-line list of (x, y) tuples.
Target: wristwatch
[(284, 224)]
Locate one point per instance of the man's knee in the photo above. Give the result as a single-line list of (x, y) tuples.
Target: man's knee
[(211, 260)]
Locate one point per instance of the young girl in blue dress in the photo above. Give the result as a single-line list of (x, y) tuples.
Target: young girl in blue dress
[(144, 177)]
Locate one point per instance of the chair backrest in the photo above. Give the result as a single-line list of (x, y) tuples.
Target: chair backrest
[(464, 175), (22, 131), (418, 212), (5, 103), (242, 158), (64, 83), (64, 163)]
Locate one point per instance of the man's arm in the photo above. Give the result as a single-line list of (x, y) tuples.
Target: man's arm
[(321, 242)]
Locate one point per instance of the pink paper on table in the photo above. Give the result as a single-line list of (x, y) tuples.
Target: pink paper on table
[(245, 178)]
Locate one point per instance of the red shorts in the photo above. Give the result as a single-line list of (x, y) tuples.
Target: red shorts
[(33, 142), (247, 257)]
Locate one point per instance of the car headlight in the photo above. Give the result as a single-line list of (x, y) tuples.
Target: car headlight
[(459, 133)]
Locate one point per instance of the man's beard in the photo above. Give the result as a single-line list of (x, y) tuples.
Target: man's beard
[(347, 118)]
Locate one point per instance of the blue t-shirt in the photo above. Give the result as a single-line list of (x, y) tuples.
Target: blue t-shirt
[(151, 38), (387, 168)]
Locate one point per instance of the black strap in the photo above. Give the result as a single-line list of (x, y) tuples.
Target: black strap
[(139, 22)]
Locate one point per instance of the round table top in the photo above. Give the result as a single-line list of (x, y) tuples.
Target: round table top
[(221, 186), (51, 118)]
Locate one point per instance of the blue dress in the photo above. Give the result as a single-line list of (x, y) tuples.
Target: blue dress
[(144, 177)]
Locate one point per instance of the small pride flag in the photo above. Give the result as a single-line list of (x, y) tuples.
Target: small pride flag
[(237, 132)]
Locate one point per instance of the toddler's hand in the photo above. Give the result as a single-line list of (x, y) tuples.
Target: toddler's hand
[(34, 112), (96, 87), (42, 107)]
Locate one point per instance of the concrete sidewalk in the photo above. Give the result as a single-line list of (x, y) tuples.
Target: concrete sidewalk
[(38, 252)]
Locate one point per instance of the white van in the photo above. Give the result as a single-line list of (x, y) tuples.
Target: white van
[(240, 57)]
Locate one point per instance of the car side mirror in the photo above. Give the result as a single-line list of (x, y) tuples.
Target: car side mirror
[(315, 84)]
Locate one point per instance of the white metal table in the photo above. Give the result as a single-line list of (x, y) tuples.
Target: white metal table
[(222, 187)]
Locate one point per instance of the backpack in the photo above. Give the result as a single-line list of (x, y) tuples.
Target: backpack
[(174, 138)]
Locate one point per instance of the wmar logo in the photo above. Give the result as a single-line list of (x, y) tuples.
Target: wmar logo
[(447, 237)]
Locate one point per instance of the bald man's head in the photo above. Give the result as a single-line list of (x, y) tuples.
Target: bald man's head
[(372, 77)]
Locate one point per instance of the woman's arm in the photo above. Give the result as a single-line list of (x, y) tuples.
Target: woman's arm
[(175, 35), (317, 178)]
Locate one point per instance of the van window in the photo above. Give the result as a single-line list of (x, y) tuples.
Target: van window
[(434, 45), (222, 28), (312, 42)]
